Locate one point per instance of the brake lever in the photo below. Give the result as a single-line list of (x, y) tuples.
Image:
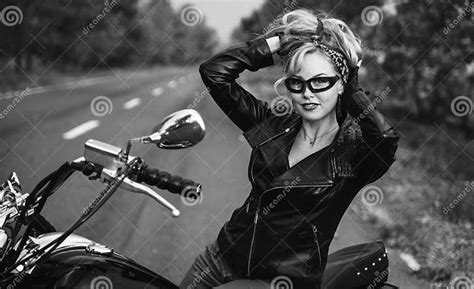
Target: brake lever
[(135, 187)]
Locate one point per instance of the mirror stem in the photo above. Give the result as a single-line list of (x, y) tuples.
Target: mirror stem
[(143, 139)]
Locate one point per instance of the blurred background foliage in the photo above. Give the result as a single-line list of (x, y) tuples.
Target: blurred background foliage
[(60, 38)]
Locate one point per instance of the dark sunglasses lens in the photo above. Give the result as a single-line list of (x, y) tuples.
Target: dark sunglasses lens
[(294, 85)]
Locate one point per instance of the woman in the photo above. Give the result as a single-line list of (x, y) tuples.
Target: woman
[(306, 165)]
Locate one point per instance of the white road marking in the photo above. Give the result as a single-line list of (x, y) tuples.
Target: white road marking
[(132, 103), (410, 261), (66, 85), (81, 129), (157, 91), (172, 84)]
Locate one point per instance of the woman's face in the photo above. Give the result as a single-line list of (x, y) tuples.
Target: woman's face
[(316, 105)]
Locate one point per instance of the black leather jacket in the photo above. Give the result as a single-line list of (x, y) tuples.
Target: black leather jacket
[(287, 222)]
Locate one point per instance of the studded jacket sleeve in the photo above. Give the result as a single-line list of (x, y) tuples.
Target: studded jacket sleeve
[(219, 74)]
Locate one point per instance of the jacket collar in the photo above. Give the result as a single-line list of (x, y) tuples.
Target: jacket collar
[(342, 150)]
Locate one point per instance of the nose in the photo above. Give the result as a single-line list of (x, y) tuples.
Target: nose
[(307, 93)]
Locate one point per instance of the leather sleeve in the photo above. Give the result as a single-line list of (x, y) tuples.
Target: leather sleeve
[(219, 74), (376, 153)]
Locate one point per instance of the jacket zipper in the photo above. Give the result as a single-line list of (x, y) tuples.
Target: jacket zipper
[(316, 240), (257, 216), (260, 197)]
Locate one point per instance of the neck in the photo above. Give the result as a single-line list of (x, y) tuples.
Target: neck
[(321, 127)]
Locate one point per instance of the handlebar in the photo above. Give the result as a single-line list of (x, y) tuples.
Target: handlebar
[(172, 183)]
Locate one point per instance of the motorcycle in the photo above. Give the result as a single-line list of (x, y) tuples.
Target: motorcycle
[(34, 255)]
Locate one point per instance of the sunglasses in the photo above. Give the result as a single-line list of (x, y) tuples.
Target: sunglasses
[(316, 84)]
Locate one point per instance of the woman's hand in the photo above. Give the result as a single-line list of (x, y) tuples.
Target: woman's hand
[(353, 98)]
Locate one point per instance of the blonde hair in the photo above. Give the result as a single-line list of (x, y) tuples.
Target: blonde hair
[(300, 25)]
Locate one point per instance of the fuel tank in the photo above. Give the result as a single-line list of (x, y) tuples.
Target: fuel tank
[(82, 263)]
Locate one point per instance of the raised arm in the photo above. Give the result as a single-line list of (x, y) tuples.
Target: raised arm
[(380, 140), (221, 70)]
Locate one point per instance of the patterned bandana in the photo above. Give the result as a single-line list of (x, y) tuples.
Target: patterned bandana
[(337, 57)]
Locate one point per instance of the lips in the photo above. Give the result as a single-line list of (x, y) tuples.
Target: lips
[(310, 105)]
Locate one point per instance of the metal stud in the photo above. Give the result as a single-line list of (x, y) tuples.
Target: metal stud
[(358, 273), (365, 268), (373, 264)]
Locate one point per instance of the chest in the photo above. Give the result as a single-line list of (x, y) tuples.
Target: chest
[(276, 164), (301, 149)]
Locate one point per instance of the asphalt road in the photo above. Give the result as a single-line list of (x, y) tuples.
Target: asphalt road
[(36, 138)]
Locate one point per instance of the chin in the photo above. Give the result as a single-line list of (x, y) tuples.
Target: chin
[(312, 115)]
